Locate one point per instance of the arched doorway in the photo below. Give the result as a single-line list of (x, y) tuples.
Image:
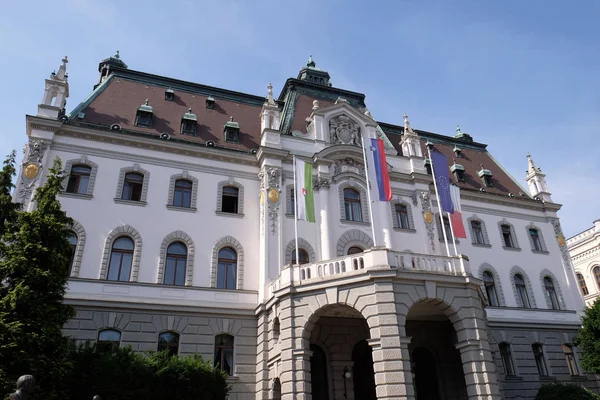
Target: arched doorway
[(318, 373), (364, 384), (338, 340), (425, 370), (436, 363)]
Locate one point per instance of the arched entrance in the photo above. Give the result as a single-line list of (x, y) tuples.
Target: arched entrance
[(340, 352), (436, 363)]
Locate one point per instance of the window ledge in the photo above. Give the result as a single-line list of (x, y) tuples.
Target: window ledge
[(227, 214), (540, 251), (486, 245), (511, 248), (77, 195), (513, 378), (131, 202), (409, 230), (547, 378), (360, 223), (177, 208)]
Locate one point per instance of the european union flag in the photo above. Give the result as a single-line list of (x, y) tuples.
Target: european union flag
[(439, 164)]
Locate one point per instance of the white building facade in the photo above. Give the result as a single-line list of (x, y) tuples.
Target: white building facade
[(182, 197), (585, 256)]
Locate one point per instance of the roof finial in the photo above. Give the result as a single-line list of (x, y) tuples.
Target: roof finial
[(190, 110), (311, 62), (531, 168), (408, 130), (231, 118), (62, 70), (458, 131), (146, 102), (270, 101), (117, 54)]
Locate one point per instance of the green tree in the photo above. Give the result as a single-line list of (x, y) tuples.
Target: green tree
[(564, 391), (588, 339), (34, 263), (8, 209)]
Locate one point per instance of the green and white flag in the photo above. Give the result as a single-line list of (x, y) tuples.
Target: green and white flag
[(304, 191)]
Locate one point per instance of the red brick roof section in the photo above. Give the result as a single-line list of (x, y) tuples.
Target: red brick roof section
[(471, 160), (304, 105), (119, 101)]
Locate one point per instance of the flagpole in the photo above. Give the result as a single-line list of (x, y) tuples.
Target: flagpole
[(296, 222), (437, 196), (452, 233), (368, 190)]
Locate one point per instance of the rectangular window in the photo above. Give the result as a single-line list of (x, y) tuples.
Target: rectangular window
[(507, 236), (230, 200), (188, 127), (182, 194), (571, 361), (143, 119), (447, 228), (540, 361), (132, 186), (477, 232), (509, 368), (402, 216), (292, 201), (535, 239)]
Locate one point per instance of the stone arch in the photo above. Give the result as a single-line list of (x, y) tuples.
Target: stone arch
[(546, 273), (128, 231), (488, 267), (177, 236), (310, 320), (302, 244), (360, 186), (78, 229), (518, 270), (227, 241), (353, 237)]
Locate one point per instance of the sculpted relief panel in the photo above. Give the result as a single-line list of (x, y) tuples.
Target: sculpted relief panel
[(343, 130)]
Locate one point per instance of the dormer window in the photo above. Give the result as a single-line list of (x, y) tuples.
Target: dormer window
[(210, 102), (232, 131), (188, 123), (457, 152), (458, 171), (486, 176), (144, 115), (169, 94)]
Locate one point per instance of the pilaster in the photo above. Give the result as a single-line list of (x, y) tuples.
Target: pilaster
[(478, 368)]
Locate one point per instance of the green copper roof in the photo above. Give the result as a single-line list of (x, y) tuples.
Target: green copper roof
[(232, 124), (455, 167), (482, 172), (189, 116), (145, 107)]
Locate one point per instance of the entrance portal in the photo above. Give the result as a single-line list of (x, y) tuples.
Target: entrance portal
[(364, 384), (318, 373), (426, 379)]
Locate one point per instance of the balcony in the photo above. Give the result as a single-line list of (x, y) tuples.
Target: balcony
[(375, 258)]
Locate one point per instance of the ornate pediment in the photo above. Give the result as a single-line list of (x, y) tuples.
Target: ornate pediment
[(344, 130), (348, 165)]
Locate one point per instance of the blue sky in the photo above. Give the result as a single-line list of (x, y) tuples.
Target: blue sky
[(518, 75)]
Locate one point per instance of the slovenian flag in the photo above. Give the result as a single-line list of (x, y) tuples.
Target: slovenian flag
[(456, 217), (381, 170), (304, 191)]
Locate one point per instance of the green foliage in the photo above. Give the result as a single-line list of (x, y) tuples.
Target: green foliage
[(34, 263), (564, 391), (121, 374), (8, 209), (588, 339)]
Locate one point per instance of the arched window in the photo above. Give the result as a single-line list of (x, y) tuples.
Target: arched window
[(79, 178), (551, 293), (132, 186), (230, 197), (227, 268), (169, 341), (109, 338), (352, 205), (72, 239), (121, 258), (175, 264), (597, 275), (224, 353), (522, 291), (490, 288), (182, 195), (582, 285), (302, 255), (354, 250)]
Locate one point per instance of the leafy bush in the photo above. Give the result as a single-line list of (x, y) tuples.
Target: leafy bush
[(564, 391)]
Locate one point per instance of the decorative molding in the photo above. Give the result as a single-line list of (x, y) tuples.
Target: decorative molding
[(288, 200), (348, 165), (499, 291), (271, 178), (83, 160), (186, 176), (360, 187), (353, 237), (561, 301), (35, 151), (486, 238), (128, 231), (518, 270), (427, 216), (135, 168), (344, 130), (227, 241), (177, 236), (79, 231), (561, 243), (321, 183), (302, 244), (230, 182)]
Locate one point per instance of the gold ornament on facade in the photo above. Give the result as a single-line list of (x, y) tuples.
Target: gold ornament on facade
[(262, 198), (428, 216), (31, 171), (273, 195), (561, 240)]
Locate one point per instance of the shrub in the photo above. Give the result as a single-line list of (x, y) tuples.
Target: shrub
[(564, 391)]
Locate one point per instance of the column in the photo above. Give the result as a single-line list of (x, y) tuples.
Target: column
[(479, 371), (262, 356)]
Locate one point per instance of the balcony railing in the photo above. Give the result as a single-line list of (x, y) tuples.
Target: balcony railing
[(379, 258)]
